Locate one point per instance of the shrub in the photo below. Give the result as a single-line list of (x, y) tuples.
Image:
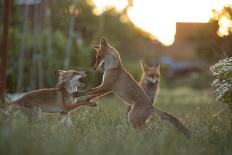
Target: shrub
[(222, 73)]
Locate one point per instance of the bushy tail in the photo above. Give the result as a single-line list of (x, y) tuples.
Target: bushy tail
[(166, 116)]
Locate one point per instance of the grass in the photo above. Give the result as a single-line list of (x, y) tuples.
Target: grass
[(103, 130)]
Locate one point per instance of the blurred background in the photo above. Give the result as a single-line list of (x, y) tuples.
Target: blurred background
[(185, 37)]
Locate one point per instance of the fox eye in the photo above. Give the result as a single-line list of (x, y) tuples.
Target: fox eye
[(98, 57)]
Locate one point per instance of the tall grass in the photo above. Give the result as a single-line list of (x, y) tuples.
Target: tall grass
[(103, 130)]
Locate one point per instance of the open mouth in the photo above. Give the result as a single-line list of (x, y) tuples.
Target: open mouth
[(78, 80)]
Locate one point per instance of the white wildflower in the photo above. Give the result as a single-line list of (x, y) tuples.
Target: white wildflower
[(222, 72)]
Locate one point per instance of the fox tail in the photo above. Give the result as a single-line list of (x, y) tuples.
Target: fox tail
[(174, 121)]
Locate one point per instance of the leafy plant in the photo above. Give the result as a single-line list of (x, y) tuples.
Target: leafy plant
[(222, 72)]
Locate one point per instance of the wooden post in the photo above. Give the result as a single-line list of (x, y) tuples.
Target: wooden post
[(4, 48)]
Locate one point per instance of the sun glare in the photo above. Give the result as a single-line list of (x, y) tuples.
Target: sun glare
[(159, 17), (225, 25), (102, 5)]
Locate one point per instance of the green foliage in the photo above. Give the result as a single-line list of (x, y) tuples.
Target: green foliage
[(46, 41), (222, 72), (134, 68)]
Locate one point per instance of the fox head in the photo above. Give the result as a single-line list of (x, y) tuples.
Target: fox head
[(106, 57), (69, 79), (151, 74)]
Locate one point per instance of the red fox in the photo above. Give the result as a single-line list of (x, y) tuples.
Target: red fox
[(53, 100), (118, 80), (150, 80)]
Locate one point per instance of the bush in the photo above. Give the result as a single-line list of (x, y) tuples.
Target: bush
[(222, 72)]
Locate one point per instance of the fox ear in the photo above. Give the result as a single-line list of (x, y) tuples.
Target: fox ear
[(103, 42), (157, 66), (58, 72), (144, 66), (96, 47)]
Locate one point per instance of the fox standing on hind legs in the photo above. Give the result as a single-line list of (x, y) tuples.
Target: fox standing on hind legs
[(118, 80)]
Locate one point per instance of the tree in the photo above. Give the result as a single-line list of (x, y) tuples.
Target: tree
[(224, 19), (4, 48), (20, 75), (71, 35)]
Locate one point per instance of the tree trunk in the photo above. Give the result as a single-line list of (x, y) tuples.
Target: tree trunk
[(4, 48), (38, 47), (70, 38), (22, 51), (49, 34)]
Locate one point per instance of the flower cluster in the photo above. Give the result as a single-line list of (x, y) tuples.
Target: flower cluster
[(222, 72)]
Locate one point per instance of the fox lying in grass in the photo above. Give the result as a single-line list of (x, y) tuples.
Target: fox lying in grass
[(53, 100), (118, 80)]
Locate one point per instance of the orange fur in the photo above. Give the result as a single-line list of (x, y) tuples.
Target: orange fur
[(52, 100), (118, 80)]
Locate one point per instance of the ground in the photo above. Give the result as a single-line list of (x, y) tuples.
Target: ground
[(104, 130)]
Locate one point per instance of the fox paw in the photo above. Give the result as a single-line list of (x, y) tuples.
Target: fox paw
[(92, 104)]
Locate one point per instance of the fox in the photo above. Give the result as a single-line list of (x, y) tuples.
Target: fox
[(150, 80), (53, 100), (117, 80)]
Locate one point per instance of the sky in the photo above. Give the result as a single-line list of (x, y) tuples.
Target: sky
[(159, 17)]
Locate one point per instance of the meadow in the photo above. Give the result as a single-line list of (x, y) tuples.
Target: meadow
[(103, 130), (39, 37)]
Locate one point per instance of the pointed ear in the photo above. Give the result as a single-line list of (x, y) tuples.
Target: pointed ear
[(96, 47), (144, 66), (103, 42), (58, 72), (157, 66)]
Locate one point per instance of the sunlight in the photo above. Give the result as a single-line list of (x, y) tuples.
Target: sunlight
[(102, 5), (225, 26), (159, 17)]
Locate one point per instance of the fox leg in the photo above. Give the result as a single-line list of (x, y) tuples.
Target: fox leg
[(64, 116), (127, 112), (128, 109), (102, 89), (70, 107), (138, 116), (91, 97)]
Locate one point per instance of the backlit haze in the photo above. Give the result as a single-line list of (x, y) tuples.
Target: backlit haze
[(159, 17)]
